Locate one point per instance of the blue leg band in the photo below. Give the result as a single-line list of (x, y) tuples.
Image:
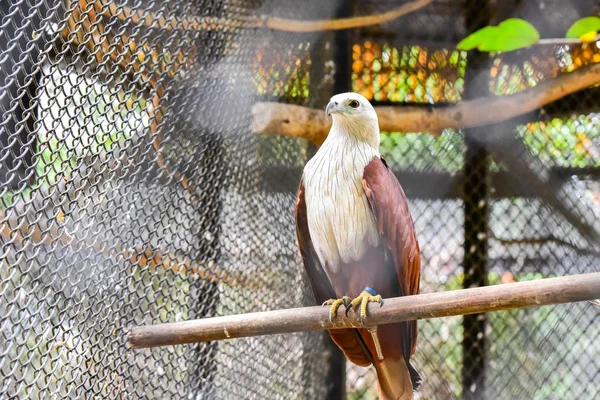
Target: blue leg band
[(370, 290)]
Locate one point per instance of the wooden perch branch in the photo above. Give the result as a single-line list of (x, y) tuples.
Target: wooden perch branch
[(434, 305), (151, 19), (313, 125)]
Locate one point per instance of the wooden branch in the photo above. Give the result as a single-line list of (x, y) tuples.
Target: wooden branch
[(18, 232), (127, 14), (540, 241), (434, 305), (564, 41), (142, 62), (313, 125), (84, 27), (289, 25)]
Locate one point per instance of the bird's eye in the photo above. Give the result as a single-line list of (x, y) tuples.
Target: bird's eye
[(354, 103)]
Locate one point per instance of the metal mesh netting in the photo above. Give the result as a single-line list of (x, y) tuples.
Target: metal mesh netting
[(508, 202), (133, 191)]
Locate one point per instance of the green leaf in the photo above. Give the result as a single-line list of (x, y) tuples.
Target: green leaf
[(476, 38), (514, 34), (583, 26), (511, 34)]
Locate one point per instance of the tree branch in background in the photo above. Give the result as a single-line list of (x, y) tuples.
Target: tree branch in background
[(313, 125), (563, 41), (540, 241), (143, 64), (126, 14), (18, 232), (290, 25)]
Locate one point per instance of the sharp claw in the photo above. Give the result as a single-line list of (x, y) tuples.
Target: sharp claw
[(346, 300), (361, 304), (336, 304)]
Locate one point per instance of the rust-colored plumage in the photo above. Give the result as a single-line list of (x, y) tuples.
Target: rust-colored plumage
[(390, 206)]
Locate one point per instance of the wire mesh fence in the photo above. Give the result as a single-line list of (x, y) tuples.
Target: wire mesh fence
[(133, 191)]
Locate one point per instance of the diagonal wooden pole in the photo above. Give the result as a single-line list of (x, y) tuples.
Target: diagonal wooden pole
[(510, 296)]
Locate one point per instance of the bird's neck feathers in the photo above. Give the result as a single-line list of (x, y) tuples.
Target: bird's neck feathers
[(340, 221), (357, 130)]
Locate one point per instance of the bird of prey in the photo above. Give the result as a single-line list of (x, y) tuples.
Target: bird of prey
[(358, 242)]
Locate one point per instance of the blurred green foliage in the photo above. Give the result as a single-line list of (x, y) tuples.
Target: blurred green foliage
[(277, 77), (424, 152), (382, 72), (584, 27), (560, 142), (511, 34), (515, 33), (564, 142)]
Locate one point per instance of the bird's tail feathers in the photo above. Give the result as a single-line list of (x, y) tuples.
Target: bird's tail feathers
[(394, 379), (414, 376)]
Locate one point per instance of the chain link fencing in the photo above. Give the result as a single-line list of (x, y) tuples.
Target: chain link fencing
[(133, 191)]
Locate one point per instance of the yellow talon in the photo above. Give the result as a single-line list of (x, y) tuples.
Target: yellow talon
[(363, 300), (335, 304)]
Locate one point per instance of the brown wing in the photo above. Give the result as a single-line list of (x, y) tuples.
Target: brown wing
[(347, 339), (390, 207)]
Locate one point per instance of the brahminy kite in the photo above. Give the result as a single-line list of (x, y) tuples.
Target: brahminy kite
[(358, 242)]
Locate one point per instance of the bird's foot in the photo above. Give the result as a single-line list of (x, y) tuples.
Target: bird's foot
[(367, 296), (335, 304)]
